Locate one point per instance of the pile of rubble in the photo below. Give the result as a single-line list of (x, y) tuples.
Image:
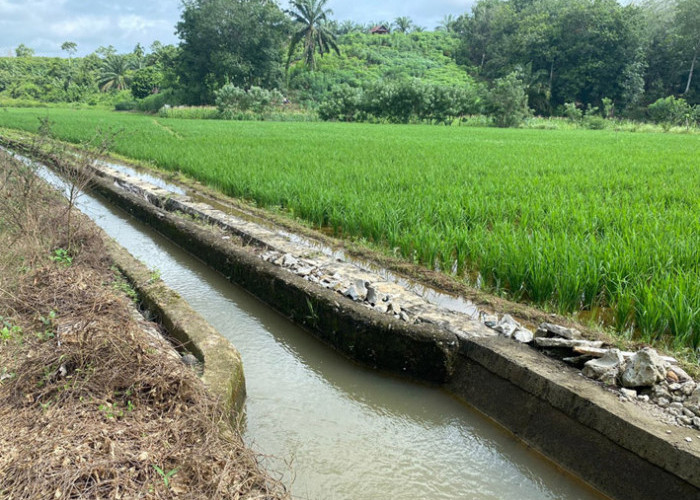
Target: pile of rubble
[(643, 376)]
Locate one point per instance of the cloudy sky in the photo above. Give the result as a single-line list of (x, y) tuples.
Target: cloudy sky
[(45, 24)]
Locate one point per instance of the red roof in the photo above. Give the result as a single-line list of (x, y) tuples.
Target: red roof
[(379, 30)]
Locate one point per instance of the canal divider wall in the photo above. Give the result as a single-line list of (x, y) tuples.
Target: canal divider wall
[(222, 365), (618, 448)]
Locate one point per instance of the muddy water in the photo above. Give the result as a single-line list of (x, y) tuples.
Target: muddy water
[(340, 431)]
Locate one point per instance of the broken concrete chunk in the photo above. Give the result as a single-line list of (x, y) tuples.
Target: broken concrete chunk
[(577, 361), (490, 320), (372, 295), (523, 335), (394, 308), (597, 368), (552, 330), (288, 260), (304, 271), (352, 293), (559, 342), (644, 369), (598, 352), (628, 393), (507, 326)]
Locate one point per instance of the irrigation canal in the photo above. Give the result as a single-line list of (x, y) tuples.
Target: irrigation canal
[(334, 430)]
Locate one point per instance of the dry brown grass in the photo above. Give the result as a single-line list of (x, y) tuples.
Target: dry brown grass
[(90, 405)]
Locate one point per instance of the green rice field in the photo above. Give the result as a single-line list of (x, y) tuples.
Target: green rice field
[(572, 220)]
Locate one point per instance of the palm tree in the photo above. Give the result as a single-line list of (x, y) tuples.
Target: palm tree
[(403, 24), (311, 17), (115, 72), (448, 23)]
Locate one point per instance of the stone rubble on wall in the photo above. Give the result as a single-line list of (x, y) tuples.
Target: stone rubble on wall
[(644, 377)]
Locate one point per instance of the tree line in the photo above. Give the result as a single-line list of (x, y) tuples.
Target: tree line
[(547, 57)]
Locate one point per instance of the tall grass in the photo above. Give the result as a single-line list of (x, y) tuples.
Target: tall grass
[(570, 219)]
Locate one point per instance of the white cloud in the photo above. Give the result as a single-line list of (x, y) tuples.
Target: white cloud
[(45, 24), (81, 27), (135, 23)]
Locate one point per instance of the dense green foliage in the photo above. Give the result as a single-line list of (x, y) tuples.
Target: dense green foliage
[(507, 58), (586, 50), (229, 41), (364, 59), (573, 220)]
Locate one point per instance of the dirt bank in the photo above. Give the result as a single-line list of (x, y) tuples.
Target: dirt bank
[(91, 404)]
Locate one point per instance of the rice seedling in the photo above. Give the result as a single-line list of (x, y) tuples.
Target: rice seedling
[(569, 219)]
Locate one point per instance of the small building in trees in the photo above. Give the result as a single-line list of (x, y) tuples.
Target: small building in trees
[(379, 30)]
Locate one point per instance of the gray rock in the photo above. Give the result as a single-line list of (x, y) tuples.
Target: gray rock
[(190, 360), (677, 406), (688, 413), (674, 387), (288, 260), (680, 373), (644, 369), (352, 293), (551, 330), (523, 335), (393, 307), (404, 316), (304, 271), (659, 391), (610, 378), (663, 402), (382, 308), (361, 286), (643, 398), (596, 368), (694, 398), (694, 408), (683, 420), (696, 422), (688, 388), (507, 326), (628, 393), (567, 343), (372, 295), (675, 412), (490, 321)]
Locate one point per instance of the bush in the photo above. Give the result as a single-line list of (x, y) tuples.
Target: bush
[(572, 112), (594, 122), (126, 106), (190, 112), (344, 103), (406, 101), (671, 111), (145, 82), (231, 99), (153, 103), (508, 101)]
